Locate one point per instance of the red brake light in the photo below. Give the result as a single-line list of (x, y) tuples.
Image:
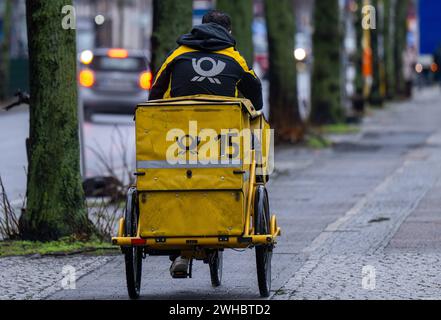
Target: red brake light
[(118, 53), (145, 80), (87, 78)]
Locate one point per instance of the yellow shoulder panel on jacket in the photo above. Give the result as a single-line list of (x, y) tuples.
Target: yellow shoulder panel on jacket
[(233, 53)]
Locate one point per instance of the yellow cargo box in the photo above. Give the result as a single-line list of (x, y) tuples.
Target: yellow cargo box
[(193, 165)]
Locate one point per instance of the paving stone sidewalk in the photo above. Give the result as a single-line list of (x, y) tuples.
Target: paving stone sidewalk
[(38, 277), (387, 245)]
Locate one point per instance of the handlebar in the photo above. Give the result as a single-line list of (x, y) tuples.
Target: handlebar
[(22, 98)]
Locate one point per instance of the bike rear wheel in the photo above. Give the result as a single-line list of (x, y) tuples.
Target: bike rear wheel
[(264, 253), (132, 255), (215, 261)]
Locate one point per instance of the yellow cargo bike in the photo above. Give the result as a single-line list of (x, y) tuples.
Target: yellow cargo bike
[(202, 166)]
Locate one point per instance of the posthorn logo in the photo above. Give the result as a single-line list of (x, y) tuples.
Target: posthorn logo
[(188, 143), (215, 70)]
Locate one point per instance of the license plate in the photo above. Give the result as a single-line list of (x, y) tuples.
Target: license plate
[(116, 85)]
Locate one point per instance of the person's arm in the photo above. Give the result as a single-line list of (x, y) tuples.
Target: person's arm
[(161, 84), (249, 84), (251, 88)]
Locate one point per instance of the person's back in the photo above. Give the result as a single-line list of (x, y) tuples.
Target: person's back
[(206, 62)]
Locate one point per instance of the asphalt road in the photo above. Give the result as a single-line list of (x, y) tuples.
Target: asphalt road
[(108, 147), (104, 140), (14, 127), (360, 221)]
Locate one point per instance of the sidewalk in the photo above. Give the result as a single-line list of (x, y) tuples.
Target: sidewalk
[(23, 278), (387, 245)]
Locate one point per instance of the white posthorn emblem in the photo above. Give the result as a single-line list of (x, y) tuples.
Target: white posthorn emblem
[(216, 69)]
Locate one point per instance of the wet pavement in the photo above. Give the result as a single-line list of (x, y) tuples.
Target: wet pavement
[(359, 221)]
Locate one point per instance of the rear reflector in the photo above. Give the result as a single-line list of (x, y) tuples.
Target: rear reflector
[(118, 53), (145, 80), (87, 78), (139, 242)]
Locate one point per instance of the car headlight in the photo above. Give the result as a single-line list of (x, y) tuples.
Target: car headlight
[(300, 54), (86, 57)]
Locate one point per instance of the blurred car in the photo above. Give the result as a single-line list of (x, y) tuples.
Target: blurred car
[(113, 80)]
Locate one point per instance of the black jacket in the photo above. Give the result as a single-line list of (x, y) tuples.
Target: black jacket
[(206, 62)]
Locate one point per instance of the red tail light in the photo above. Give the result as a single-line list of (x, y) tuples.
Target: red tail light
[(138, 242), (87, 78), (145, 80), (118, 53)]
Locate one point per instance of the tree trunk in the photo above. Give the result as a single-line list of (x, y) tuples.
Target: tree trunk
[(358, 99), (401, 10), (55, 203), (242, 15), (5, 51), (326, 78), (171, 19), (376, 96), (285, 116), (389, 44)]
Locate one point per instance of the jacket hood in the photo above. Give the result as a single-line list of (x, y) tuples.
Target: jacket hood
[(208, 37)]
